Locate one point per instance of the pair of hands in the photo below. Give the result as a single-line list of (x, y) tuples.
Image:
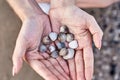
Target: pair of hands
[(33, 29)]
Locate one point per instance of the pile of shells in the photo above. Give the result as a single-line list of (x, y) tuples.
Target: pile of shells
[(62, 44)]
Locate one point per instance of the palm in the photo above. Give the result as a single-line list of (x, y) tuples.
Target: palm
[(27, 45), (79, 23), (76, 21)]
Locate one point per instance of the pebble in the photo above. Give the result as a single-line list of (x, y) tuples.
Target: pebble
[(69, 37), (54, 54), (60, 45), (52, 48), (73, 44), (53, 36), (63, 52), (62, 37), (70, 54), (64, 29), (46, 40), (43, 48)]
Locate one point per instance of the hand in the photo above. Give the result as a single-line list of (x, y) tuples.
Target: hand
[(27, 45), (81, 25)]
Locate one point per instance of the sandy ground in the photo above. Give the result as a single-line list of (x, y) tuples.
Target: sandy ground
[(9, 28)]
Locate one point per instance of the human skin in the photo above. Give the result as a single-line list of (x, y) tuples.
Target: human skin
[(89, 3), (82, 25), (35, 25)]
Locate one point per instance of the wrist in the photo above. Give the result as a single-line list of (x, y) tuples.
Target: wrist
[(62, 3), (37, 17)]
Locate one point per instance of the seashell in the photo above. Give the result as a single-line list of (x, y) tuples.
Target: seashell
[(70, 54), (46, 40), (73, 44), (53, 36), (64, 29), (54, 54), (43, 48), (60, 45), (69, 37), (63, 52), (52, 48), (62, 37)]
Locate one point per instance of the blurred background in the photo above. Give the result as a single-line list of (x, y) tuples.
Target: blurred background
[(107, 61)]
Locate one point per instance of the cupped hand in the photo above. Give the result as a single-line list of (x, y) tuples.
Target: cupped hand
[(27, 44), (82, 25)]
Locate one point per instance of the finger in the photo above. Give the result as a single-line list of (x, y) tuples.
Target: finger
[(42, 70), (57, 66), (63, 64), (45, 55), (79, 65), (18, 54), (95, 30), (72, 68), (53, 70), (88, 62)]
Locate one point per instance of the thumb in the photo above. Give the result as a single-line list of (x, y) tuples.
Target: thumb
[(96, 32), (18, 54)]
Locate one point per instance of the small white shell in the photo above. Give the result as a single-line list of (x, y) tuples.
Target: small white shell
[(62, 37), (54, 54), (70, 54), (73, 44), (63, 52), (46, 40), (43, 48), (60, 45), (69, 37), (64, 29), (51, 48), (53, 36)]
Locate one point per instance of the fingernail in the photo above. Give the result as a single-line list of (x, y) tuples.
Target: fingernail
[(99, 45), (99, 48), (13, 71)]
